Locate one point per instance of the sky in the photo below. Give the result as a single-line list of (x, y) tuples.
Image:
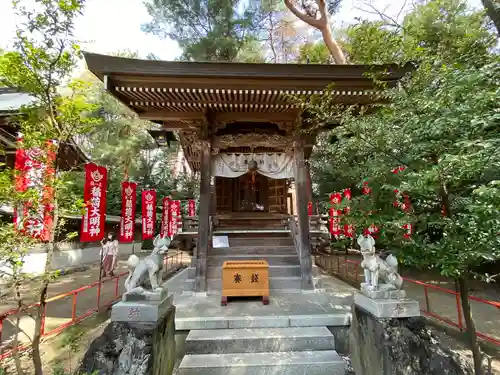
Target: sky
[(108, 26)]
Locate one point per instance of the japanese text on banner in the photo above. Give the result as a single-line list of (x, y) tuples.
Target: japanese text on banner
[(175, 216), (127, 222), (148, 214), (32, 171), (94, 217), (165, 217)]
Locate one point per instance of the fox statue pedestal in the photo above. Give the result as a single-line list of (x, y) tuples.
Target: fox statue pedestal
[(144, 300), (387, 335), (142, 307), (382, 299), (140, 340)]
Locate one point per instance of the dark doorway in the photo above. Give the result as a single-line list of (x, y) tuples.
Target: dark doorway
[(250, 193)]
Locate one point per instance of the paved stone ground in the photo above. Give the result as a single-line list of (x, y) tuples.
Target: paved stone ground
[(60, 311), (487, 318), (336, 299)]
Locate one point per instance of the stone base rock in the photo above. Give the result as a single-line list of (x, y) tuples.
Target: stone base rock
[(131, 348), (388, 308), (399, 347)]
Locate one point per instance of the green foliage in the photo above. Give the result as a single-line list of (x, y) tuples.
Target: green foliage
[(442, 125), (44, 55), (445, 29), (70, 343), (361, 47), (314, 53), (206, 30), (121, 142)]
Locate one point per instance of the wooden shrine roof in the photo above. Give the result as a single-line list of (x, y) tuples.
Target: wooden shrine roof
[(11, 100), (179, 94)]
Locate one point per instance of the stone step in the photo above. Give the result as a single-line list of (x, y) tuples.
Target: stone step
[(254, 249), (249, 224), (260, 241), (275, 283), (273, 260), (274, 271), (257, 340), (281, 363), (336, 318)]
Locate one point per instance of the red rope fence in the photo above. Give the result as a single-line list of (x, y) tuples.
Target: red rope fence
[(171, 262), (351, 272)]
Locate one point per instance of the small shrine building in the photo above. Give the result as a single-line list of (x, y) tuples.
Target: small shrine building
[(242, 131)]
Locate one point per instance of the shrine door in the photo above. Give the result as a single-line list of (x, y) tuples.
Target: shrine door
[(277, 196)]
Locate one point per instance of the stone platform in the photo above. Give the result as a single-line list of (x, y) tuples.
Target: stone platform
[(331, 307), (297, 333)]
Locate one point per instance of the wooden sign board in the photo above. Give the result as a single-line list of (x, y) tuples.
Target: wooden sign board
[(220, 241)]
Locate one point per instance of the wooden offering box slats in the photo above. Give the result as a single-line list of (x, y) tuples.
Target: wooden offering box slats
[(245, 278)]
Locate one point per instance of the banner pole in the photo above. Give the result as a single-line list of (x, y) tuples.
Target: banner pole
[(100, 278)]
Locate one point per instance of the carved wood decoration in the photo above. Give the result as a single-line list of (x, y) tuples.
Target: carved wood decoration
[(253, 140), (181, 93)]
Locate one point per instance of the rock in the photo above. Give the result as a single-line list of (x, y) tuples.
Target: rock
[(399, 346), (133, 349)]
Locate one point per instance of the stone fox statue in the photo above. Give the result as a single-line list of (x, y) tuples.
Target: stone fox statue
[(150, 266), (375, 267)]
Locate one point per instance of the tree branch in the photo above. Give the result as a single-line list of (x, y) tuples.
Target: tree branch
[(317, 23), (390, 21)]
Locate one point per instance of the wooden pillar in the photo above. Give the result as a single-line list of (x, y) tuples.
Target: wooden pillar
[(301, 194), (213, 192), (204, 213), (309, 182)]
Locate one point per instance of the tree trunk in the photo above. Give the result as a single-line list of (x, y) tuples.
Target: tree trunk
[(40, 313), (323, 25), (39, 319), (15, 353), (493, 11), (333, 46), (463, 283)]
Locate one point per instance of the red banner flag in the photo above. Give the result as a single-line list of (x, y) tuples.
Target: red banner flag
[(372, 230), (33, 173), (335, 198), (175, 216), (127, 221), (409, 230), (366, 190), (349, 230), (347, 194), (148, 214), (165, 222), (310, 208), (94, 195), (335, 227), (191, 207)]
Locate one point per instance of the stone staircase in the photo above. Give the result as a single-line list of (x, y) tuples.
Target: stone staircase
[(276, 248), (266, 351), (287, 337)]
